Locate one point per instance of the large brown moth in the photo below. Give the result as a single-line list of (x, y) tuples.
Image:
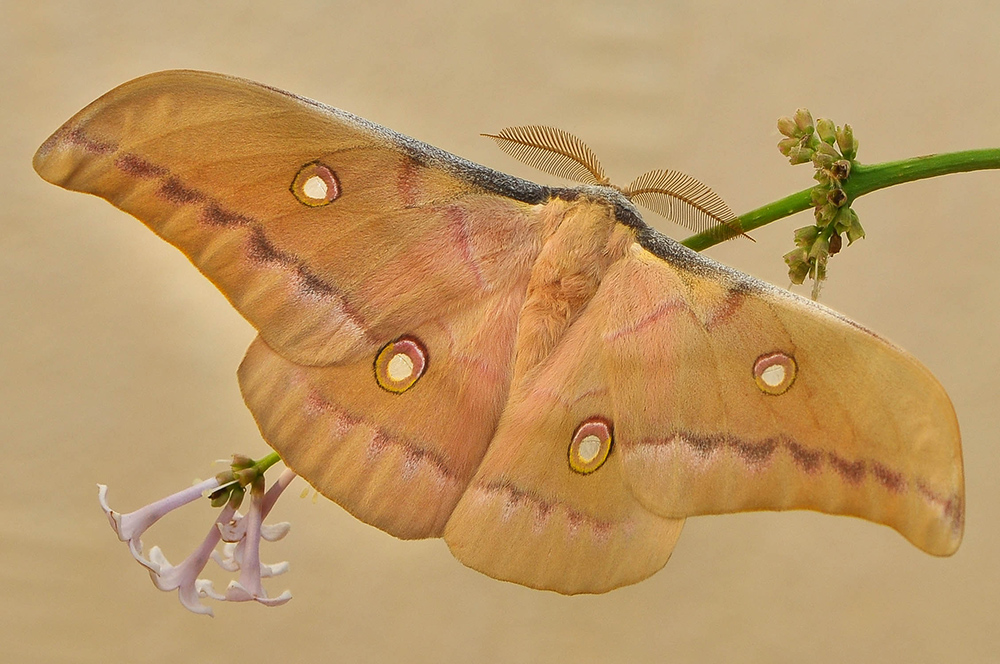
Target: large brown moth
[(530, 372)]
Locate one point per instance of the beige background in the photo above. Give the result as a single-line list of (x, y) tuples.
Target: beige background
[(117, 358)]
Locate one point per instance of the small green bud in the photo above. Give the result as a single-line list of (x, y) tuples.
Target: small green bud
[(797, 255), (798, 274), (827, 130), (837, 196), (798, 265), (804, 121), (246, 476), (787, 127), (241, 461), (805, 236), (257, 488), (819, 275), (236, 499), (846, 142), (836, 243), (828, 150), (822, 160), (854, 231), (822, 177), (818, 196), (220, 496), (785, 145), (820, 248), (225, 477), (842, 220), (825, 214), (799, 155), (841, 169)]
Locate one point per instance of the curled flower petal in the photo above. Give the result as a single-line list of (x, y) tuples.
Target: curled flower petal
[(228, 562), (236, 592), (234, 529), (188, 592), (272, 532), (231, 560), (130, 527), (275, 569), (206, 589), (184, 577)]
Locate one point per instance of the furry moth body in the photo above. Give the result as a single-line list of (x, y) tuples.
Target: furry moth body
[(531, 373)]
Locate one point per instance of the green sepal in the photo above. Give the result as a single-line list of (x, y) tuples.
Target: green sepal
[(798, 265), (854, 230), (826, 130), (805, 236), (804, 121), (787, 127), (847, 143)]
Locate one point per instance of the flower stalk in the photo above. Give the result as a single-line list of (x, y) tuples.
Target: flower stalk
[(841, 180), (864, 179)]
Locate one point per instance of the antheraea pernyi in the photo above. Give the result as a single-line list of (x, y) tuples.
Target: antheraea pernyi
[(532, 373)]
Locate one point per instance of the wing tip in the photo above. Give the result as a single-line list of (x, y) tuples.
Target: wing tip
[(59, 155), (40, 161), (54, 162), (943, 534)]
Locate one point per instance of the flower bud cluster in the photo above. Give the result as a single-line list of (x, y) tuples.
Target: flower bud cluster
[(832, 151)]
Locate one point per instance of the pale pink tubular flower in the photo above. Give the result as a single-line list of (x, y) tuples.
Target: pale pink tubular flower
[(130, 527), (234, 533), (249, 585)]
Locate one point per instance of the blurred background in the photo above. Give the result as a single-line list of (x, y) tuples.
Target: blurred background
[(117, 359)]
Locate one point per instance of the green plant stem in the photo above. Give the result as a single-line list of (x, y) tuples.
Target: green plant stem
[(864, 179), (267, 462)]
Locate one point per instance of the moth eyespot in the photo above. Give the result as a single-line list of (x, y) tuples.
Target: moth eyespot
[(590, 446), (315, 185), (775, 372), (400, 364)]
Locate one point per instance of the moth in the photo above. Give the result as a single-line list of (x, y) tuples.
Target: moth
[(530, 372)]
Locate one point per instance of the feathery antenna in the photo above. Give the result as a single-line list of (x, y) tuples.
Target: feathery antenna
[(685, 201), (553, 151)]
